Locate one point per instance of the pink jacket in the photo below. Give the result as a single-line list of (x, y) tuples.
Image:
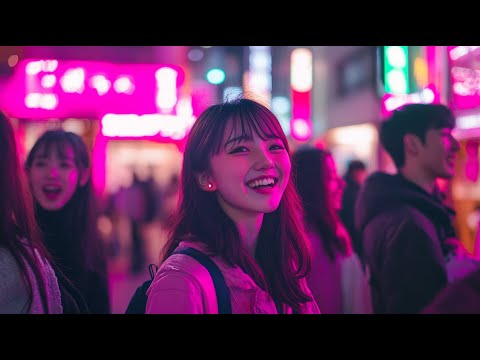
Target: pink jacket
[(183, 286), (340, 286)]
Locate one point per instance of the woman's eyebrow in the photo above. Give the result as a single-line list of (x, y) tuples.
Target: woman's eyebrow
[(238, 139)]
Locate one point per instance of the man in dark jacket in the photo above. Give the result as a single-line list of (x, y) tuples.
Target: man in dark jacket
[(404, 225), (460, 297)]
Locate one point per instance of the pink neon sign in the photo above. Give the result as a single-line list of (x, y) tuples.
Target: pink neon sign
[(42, 89), (301, 124), (391, 102), (464, 76)]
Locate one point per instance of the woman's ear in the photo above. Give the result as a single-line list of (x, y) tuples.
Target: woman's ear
[(205, 182), (84, 176)]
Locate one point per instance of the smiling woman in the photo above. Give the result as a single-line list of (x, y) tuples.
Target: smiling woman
[(238, 205), (58, 168)]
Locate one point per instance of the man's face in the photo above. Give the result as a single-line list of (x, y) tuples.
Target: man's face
[(437, 154), (360, 175)]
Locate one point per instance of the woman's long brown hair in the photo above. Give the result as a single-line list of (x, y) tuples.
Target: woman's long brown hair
[(19, 232), (310, 167), (281, 255)]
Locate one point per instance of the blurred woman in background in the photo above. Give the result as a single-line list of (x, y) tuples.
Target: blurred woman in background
[(58, 168), (337, 280)]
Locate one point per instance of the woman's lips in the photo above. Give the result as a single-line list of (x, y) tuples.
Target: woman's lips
[(51, 193)]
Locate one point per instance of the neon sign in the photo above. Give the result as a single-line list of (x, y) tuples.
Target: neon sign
[(464, 76), (301, 80), (391, 102), (42, 89)]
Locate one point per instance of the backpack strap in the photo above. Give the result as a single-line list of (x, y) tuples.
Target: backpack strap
[(221, 289)]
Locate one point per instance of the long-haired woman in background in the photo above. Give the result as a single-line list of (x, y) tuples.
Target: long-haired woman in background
[(58, 168), (27, 283), (337, 279)]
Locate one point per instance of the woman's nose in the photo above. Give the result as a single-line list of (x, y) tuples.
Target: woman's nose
[(53, 171), (263, 161)]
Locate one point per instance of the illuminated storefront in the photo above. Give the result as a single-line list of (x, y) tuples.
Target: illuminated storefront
[(350, 109), (355, 142), (464, 100), (126, 113)]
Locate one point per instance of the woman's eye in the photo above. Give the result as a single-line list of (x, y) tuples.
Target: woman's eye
[(239, 149), (277, 147), (39, 163)]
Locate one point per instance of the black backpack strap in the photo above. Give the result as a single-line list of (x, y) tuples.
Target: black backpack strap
[(138, 302), (223, 292)]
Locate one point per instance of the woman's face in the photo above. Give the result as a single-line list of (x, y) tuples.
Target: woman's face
[(53, 178), (250, 175)]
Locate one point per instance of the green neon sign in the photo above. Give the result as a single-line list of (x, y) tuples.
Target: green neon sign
[(395, 74)]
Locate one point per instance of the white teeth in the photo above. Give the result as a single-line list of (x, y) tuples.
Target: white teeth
[(261, 182)]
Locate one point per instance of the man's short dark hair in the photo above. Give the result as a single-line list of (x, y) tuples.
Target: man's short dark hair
[(353, 166), (414, 119)]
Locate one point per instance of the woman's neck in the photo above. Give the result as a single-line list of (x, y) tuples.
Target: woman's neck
[(249, 229)]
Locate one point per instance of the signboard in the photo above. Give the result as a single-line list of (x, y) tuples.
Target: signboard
[(43, 89), (464, 68)]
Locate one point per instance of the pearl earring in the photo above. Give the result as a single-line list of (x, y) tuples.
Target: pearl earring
[(209, 186)]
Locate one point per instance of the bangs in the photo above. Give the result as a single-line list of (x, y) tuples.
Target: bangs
[(50, 145), (53, 141), (245, 123)]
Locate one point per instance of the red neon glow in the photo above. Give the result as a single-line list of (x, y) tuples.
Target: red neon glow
[(430, 56), (301, 129), (301, 125), (86, 89), (301, 77)]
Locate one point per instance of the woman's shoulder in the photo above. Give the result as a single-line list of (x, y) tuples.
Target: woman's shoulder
[(51, 284), (182, 263), (181, 285), (13, 291)]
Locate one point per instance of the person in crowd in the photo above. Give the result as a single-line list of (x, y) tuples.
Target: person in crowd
[(169, 198), (137, 210), (459, 297), (238, 205), (354, 178), (337, 279), (406, 229), (28, 284), (58, 168)]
